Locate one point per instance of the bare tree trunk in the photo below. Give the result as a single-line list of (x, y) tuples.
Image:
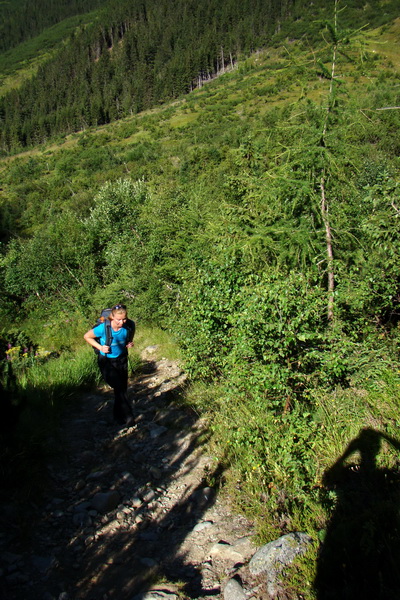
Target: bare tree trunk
[(329, 249), (324, 201)]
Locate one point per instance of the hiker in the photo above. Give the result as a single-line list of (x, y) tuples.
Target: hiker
[(113, 358)]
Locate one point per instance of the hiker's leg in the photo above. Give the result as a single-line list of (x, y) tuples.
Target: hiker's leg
[(115, 374), (107, 370), (122, 408)]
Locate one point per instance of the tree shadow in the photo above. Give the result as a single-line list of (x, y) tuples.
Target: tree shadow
[(360, 555)]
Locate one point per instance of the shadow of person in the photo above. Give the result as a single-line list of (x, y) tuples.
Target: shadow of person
[(360, 555)]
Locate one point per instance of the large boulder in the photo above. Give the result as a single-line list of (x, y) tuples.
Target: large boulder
[(272, 558)]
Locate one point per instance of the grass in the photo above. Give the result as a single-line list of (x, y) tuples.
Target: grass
[(61, 378), (173, 118), (281, 490), (275, 467), (44, 389), (42, 392), (270, 486), (385, 42), (161, 341)]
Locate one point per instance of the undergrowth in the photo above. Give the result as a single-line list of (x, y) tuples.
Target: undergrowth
[(278, 467)]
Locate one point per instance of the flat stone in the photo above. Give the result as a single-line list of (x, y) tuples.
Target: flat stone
[(245, 546), (226, 552), (157, 431), (82, 506), (82, 519), (149, 496), (280, 552), (95, 475), (43, 563), (149, 536), (234, 591), (156, 595), (156, 472), (272, 558), (105, 501), (203, 525), (148, 562)]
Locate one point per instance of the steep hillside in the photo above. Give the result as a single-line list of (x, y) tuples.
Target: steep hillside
[(136, 55), (21, 20), (255, 219)]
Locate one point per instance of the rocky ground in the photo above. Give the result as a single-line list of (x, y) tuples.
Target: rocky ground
[(129, 512)]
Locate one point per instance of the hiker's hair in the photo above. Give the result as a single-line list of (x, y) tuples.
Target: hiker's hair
[(118, 309)]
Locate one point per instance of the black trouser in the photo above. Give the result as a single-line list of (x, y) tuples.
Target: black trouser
[(115, 373)]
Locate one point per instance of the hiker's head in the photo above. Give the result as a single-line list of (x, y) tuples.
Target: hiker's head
[(118, 312)]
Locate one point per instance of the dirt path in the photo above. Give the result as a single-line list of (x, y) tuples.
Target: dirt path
[(129, 513)]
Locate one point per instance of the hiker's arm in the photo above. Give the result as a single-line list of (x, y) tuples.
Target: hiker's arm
[(129, 345), (90, 338)]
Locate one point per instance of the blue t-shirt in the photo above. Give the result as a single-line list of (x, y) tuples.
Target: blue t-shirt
[(118, 343)]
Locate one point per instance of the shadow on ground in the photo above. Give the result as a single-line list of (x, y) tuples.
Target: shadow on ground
[(360, 555), (157, 469)]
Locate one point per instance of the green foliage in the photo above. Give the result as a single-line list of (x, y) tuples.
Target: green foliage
[(56, 261), (21, 20), (204, 217), (115, 210), (91, 78), (205, 317), (43, 390), (129, 57), (266, 334)]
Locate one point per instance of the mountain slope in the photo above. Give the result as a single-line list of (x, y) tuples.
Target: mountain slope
[(21, 20), (137, 55), (214, 216)]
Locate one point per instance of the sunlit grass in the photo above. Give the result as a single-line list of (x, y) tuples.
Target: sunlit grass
[(159, 340), (61, 378)]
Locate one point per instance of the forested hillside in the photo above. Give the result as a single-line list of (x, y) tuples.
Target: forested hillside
[(256, 219), (21, 20), (135, 55)]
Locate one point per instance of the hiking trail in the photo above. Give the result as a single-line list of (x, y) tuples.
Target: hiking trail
[(128, 513)]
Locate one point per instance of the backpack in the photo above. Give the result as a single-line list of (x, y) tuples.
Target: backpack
[(103, 318)]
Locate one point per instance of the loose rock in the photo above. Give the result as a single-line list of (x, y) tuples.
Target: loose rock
[(272, 558), (234, 591), (105, 502)]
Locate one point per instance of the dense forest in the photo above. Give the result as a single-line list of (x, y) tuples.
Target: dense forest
[(136, 55), (255, 219), (21, 20)]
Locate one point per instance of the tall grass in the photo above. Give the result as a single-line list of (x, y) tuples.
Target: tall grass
[(41, 394), (276, 463), (44, 390), (160, 340)]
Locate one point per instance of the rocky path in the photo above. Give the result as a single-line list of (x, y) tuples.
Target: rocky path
[(130, 513)]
